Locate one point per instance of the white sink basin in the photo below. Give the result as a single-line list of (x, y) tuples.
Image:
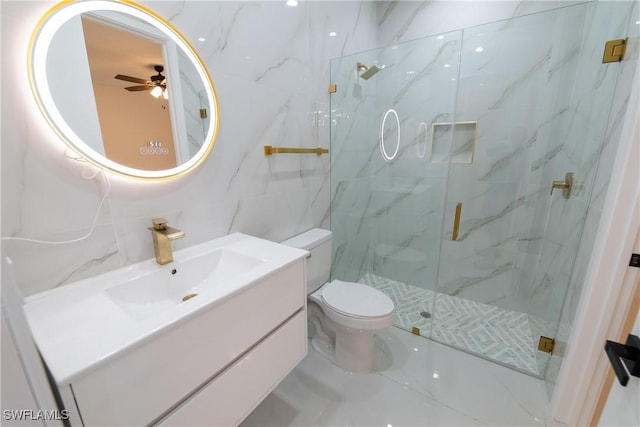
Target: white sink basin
[(82, 325), (158, 290)]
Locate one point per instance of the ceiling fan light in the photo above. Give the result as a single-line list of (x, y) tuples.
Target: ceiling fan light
[(156, 92), (165, 94)]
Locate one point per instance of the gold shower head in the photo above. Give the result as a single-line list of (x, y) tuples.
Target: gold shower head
[(368, 71)]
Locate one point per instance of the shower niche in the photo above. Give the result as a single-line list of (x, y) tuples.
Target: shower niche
[(453, 142)]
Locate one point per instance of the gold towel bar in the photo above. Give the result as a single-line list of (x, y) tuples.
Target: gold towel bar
[(456, 222), (269, 150)]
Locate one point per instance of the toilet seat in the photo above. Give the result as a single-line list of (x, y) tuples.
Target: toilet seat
[(355, 306), (356, 300)]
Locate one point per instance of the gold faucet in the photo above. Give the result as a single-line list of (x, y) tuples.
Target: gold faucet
[(162, 236)]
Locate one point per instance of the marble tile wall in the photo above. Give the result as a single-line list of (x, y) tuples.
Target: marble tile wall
[(400, 201), (421, 89), (505, 87), (400, 21), (500, 89), (270, 66), (543, 109), (599, 171), (579, 136), (353, 143), (408, 190)]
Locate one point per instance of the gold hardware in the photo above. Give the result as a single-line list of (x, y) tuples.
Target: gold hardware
[(159, 223), (415, 331), (188, 297), (456, 222), (333, 88), (546, 344), (203, 113), (369, 71), (269, 150), (565, 185), (162, 236), (614, 50)]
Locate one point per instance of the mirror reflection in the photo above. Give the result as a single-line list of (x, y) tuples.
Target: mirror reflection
[(141, 104)]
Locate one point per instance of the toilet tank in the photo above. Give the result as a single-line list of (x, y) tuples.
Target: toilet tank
[(318, 242)]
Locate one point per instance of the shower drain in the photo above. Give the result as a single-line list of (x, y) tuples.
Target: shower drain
[(425, 314)]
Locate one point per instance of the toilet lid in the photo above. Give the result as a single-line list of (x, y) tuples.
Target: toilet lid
[(354, 299)]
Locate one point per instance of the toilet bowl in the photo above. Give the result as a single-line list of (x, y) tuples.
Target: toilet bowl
[(345, 315)]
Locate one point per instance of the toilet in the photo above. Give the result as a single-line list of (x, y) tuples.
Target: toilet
[(345, 315)]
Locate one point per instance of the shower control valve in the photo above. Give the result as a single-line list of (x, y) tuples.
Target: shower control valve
[(565, 185)]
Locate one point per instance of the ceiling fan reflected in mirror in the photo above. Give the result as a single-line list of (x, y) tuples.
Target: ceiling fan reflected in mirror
[(156, 84)]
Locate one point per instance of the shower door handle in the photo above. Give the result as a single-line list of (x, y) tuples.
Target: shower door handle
[(456, 222)]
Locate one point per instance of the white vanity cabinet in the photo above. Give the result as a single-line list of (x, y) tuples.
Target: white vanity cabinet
[(212, 370), (228, 399), (209, 367)]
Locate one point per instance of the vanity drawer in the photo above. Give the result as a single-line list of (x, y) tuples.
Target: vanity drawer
[(148, 380), (232, 395)]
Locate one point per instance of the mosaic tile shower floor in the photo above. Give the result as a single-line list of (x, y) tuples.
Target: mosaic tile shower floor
[(492, 332)]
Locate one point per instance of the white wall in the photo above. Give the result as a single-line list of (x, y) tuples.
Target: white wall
[(24, 383), (269, 63)]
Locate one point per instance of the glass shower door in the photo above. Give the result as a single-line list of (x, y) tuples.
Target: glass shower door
[(443, 155), (527, 85), (387, 196)]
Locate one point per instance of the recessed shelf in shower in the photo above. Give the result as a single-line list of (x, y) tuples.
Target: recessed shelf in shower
[(458, 148)]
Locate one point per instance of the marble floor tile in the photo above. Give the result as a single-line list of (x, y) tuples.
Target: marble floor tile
[(496, 333), (417, 382)]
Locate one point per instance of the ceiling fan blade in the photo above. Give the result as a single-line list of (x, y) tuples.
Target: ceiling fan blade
[(131, 79), (138, 88)]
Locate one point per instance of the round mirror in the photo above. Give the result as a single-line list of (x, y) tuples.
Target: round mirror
[(123, 88)]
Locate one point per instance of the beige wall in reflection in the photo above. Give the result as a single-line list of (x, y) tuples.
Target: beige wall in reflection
[(136, 127)]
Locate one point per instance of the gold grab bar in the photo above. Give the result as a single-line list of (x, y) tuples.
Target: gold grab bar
[(456, 222), (269, 150)]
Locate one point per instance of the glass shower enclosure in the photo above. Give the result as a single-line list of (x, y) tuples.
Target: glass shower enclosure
[(444, 152)]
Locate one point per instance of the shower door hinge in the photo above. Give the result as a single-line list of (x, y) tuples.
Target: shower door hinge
[(333, 88), (546, 344), (614, 50)]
